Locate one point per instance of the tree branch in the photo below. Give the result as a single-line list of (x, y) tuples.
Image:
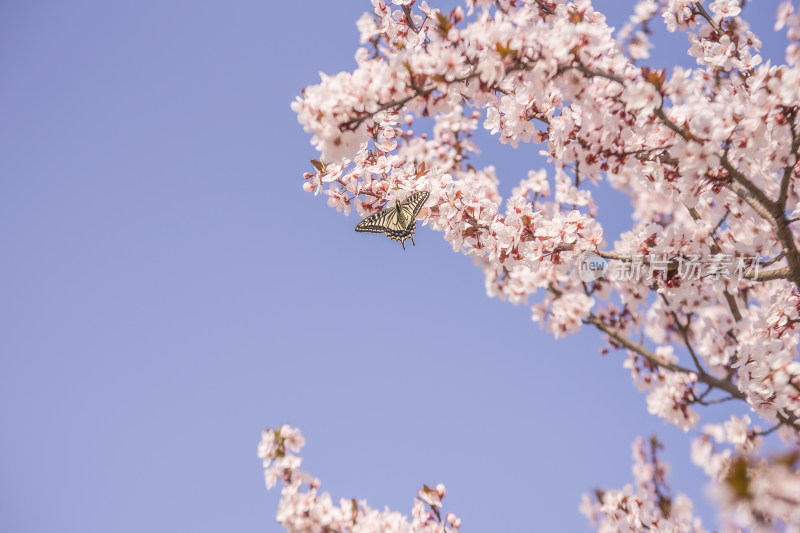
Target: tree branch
[(612, 332)]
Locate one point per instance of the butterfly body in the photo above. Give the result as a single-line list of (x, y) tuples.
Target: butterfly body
[(398, 222)]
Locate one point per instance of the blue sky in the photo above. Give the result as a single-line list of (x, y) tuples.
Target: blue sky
[(168, 290)]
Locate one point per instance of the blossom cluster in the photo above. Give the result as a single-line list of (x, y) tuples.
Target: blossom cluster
[(753, 492), (644, 505), (304, 509), (708, 157)]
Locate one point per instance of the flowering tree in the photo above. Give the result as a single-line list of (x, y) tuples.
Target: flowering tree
[(701, 293)]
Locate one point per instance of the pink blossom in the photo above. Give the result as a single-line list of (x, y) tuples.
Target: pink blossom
[(708, 158)]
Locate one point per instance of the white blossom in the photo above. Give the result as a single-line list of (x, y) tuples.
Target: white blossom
[(708, 158)]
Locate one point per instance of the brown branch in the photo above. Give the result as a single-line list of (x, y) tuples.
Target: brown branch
[(724, 385), (409, 21), (612, 332), (729, 298), (422, 91), (773, 212), (671, 125), (702, 11), (592, 73), (775, 259), (783, 196), (758, 200), (769, 275), (684, 330), (718, 400)]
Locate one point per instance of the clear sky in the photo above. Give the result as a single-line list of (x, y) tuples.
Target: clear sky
[(167, 290)]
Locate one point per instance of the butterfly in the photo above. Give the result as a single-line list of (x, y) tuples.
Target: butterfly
[(398, 222)]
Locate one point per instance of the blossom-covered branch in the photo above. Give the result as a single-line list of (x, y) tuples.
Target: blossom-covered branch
[(706, 305), (303, 508)]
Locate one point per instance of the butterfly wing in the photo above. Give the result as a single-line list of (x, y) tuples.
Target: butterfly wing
[(412, 205), (378, 222)]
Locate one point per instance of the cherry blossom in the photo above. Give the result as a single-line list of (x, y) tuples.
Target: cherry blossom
[(706, 306), (644, 505), (758, 493), (303, 508)]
